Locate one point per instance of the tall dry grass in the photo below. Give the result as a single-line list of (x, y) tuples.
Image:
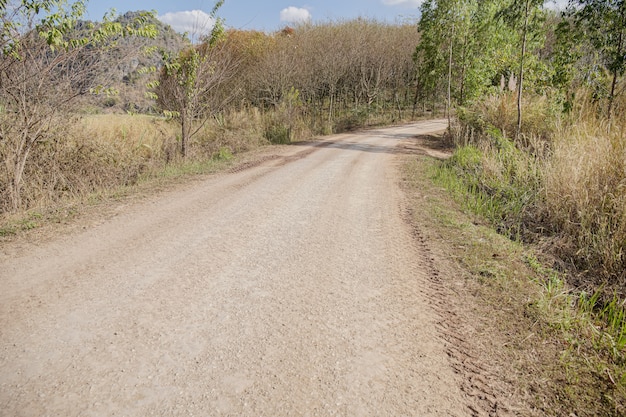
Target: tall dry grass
[(584, 190), (90, 153), (93, 153), (234, 130), (563, 181)]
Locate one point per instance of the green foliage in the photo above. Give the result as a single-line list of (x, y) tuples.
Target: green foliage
[(496, 180), (602, 24), (217, 32), (224, 154), (481, 48)]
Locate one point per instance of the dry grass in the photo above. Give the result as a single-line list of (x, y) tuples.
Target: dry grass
[(147, 136), (235, 130), (92, 153), (563, 180), (95, 154), (89, 153), (539, 122), (585, 197), (564, 190)]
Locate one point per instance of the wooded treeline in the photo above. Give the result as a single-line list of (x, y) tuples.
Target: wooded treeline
[(540, 97), (357, 67), (476, 48), (325, 78)]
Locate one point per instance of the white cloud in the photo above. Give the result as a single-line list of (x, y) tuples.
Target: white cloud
[(412, 4), (295, 15), (556, 4), (195, 22)]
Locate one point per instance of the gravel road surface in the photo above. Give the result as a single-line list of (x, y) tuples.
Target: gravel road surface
[(290, 286)]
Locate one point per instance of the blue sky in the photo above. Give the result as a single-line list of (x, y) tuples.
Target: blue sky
[(258, 14), (191, 16)]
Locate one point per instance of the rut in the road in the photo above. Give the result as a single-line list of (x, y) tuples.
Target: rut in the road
[(477, 378)]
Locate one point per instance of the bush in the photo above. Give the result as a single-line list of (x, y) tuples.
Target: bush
[(498, 181), (237, 130), (278, 134)]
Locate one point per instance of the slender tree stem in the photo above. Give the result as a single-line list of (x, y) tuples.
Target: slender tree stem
[(520, 82), (450, 83)]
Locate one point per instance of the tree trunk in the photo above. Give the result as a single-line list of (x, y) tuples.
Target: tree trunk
[(415, 98), (450, 84), (521, 71), (612, 95), (330, 109), (184, 133), (463, 70), (17, 173), (399, 107), (15, 190), (620, 45)]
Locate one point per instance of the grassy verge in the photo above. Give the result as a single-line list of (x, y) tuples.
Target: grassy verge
[(561, 181), (66, 210), (559, 353)]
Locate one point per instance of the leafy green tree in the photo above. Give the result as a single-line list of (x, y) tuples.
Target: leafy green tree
[(463, 43), (430, 54), (603, 22), (189, 86), (488, 51), (524, 16), (46, 64)]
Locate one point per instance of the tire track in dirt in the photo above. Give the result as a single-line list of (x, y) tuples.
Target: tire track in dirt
[(479, 381)]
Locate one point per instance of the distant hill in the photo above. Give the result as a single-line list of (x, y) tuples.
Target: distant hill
[(122, 63)]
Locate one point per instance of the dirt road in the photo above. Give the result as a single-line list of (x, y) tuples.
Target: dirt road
[(288, 287)]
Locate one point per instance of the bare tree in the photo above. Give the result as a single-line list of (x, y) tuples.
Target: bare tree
[(44, 68), (190, 86)]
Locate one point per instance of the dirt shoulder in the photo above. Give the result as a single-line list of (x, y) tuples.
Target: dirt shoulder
[(502, 335)]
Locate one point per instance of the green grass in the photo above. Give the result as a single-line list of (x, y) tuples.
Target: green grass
[(567, 346), (592, 328), (488, 186)]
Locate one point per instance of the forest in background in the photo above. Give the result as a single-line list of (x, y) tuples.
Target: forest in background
[(540, 99)]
